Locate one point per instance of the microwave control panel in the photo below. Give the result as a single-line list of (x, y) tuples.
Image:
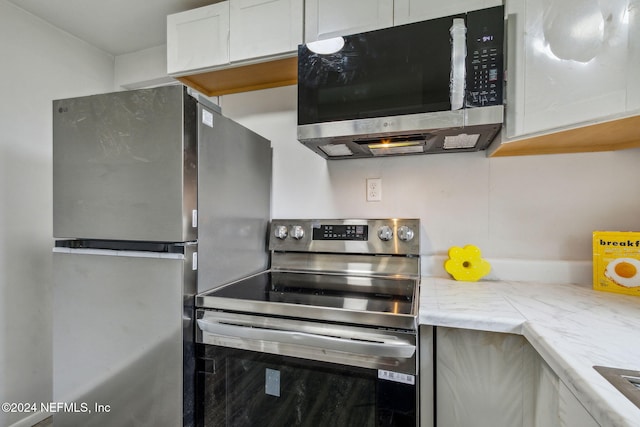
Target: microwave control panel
[(485, 46)]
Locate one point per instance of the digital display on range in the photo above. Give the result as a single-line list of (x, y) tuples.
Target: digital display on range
[(341, 232)]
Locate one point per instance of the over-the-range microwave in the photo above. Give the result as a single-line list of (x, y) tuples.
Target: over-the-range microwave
[(426, 87)]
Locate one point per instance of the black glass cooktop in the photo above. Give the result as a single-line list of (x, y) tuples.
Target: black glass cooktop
[(320, 291)]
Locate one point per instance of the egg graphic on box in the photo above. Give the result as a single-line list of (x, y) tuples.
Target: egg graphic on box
[(624, 271)]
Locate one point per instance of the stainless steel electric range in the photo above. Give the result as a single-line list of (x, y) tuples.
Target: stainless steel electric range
[(326, 336)]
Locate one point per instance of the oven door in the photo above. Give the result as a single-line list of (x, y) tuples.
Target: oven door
[(255, 370)]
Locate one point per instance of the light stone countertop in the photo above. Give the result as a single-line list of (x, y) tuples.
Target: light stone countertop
[(572, 327)]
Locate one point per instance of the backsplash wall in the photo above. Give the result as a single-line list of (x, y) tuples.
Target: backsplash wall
[(531, 208)]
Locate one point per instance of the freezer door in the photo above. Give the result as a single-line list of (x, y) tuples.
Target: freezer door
[(118, 337), (125, 166), (234, 200)]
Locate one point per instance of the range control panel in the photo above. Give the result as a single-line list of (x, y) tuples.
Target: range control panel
[(341, 232), (366, 236)]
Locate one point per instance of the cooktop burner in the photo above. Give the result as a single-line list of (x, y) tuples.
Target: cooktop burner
[(359, 272), (347, 299), (373, 294)]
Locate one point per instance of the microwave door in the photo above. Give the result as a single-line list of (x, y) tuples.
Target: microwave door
[(388, 72)]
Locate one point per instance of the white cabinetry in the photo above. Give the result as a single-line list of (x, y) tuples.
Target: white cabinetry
[(264, 27), (427, 399), (406, 11), (329, 18), (232, 31), (633, 93), (568, 63), (570, 411), (480, 377), (198, 38), (499, 380)]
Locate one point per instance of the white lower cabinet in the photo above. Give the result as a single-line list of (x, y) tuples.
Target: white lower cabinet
[(544, 402), (554, 405), (488, 379), (426, 354), (479, 378), (570, 410)]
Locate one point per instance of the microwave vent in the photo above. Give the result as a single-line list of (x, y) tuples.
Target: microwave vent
[(336, 150), (460, 141)]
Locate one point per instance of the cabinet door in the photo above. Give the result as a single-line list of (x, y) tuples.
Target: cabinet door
[(329, 18), (572, 413), (427, 397), (264, 27), (198, 38), (406, 11), (568, 63), (543, 386), (480, 377)]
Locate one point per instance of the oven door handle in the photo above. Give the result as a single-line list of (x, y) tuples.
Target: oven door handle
[(387, 348)]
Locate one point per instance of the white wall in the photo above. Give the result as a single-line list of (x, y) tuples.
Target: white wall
[(527, 214), (144, 68), (38, 64)]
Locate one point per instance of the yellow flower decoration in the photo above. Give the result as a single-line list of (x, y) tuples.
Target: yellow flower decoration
[(466, 263)]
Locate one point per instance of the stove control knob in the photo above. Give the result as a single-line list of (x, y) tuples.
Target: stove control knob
[(281, 232), (405, 233), (385, 233), (297, 232)]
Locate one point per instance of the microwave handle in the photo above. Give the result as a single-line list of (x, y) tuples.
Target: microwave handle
[(458, 33), (380, 349)]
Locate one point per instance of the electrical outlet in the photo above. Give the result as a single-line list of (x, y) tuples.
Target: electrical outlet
[(374, 189)]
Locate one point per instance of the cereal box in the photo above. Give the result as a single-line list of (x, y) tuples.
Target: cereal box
[(616, 262)]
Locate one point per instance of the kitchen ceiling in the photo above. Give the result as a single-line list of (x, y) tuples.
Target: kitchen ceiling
[(114, 26)]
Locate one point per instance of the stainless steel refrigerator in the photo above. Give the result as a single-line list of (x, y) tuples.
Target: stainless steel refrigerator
[(156, 196)]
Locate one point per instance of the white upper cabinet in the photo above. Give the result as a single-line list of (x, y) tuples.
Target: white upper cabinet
[(232, 31), (329, 18), (633, 93), (198, 38), (568, 63), (406, 11), (265, 27)]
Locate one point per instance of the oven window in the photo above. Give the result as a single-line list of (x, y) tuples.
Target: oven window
[(241, 389)]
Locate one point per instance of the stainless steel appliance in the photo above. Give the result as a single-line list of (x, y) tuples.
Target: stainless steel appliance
[(327, 336), (427, 87), (156, 196)]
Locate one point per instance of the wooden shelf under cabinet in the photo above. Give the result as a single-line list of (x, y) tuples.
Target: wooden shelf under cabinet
[(607, 136), (243, 78)]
